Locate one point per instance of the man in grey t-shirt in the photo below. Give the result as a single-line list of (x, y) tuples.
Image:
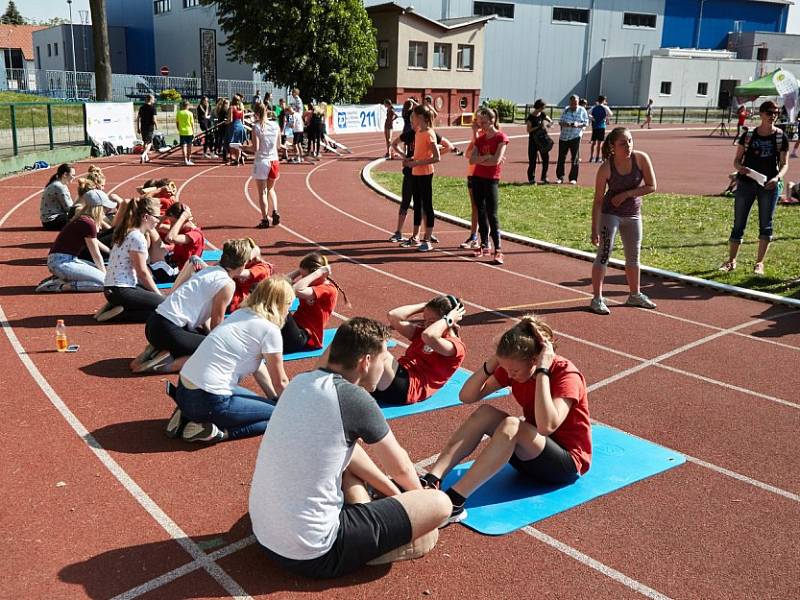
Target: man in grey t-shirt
[(309, 503)]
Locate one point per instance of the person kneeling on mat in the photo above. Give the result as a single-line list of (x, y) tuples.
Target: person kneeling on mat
[(435, 353), (553, 442), (180, 323), (317, 293), (209, 407), (255, 271), (309, 504)]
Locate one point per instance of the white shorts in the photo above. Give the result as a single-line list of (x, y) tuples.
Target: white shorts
[(266, 169)]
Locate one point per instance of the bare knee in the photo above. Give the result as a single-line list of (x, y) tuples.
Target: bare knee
[(440, 504), (508, 428)]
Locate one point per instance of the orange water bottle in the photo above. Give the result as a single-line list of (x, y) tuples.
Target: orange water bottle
[(61, 336)]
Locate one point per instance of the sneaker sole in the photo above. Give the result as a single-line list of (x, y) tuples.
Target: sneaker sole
[(109, 314), (174, 426)]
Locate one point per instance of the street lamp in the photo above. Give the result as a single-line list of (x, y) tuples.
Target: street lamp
[(72, 36)]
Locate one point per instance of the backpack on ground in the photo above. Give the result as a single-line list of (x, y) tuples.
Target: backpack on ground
[(158, 141), (109, 149)]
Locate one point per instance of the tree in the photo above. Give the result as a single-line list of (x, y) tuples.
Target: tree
[(327, 48), (12, 16), (102, 55)]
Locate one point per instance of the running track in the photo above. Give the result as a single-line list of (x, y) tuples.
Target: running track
[(98, 503)]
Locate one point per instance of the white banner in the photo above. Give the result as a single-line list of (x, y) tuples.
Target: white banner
[(786, 85), (111, 122), (363, 118)]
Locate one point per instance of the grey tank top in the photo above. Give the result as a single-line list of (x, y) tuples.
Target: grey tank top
[(619, 183)]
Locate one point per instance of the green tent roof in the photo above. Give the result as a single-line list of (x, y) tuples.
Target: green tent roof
[(756, 89)]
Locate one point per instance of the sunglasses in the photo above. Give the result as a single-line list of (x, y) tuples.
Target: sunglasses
[(771, 113)]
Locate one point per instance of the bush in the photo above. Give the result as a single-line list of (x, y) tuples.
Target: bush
[(505, 109), (170, 95)]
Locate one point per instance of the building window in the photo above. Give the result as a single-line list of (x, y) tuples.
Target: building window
[(38, 57), (666, 88), (190, 3), (55, 49), (570, 15), (504, 10), (702, 88), (441, 56), (162, 6), (464, 58), (417, 55), (383, 55), (49, 50), (639, 20)]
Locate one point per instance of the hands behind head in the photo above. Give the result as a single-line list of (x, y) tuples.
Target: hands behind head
[(546, 356), (457, 313)]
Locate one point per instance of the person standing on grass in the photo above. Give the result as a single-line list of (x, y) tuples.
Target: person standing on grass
[(623, 178), (309, 504), (573, 120), (648, 114), (146, 125), (601, 116), (539, 142), (266, 165), (761, 151), (387, 127), (472, 241), (550, 444), (488, 155), (184, 123)]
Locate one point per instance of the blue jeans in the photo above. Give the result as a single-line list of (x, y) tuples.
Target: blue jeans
[(84, 275), (747, 192), (243, 414)]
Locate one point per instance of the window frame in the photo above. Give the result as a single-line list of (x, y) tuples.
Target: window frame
[(161, 7), (494, 5), (49, 50), (383, 45), (555, 21), (449, 56), (191, 3), (460, 54), (702, 94), (416, 67), (643, 27), (55, 48), (661, 91)]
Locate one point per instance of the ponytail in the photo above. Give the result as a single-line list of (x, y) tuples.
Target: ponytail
[(315, 260), (84, 185), (133, 213), (489, 113), (524, 340), (62, 170), (611, 138)]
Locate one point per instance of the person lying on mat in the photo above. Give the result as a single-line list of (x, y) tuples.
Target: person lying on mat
[(209, 409), (164, 190), (180, 323), (185, 237), (309, 504), (255, 271), (435, 353), (551, 443), (317, 293), (130, 290)]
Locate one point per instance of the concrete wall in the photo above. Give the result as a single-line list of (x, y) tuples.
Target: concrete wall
[(386, 24), (780, 45), (84, 48), (137, 17)]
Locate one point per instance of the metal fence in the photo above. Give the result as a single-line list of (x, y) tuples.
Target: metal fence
[(625, 115), (30, 126)]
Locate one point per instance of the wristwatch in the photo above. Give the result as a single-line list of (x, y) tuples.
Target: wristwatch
[(447, 319), (541, 370)]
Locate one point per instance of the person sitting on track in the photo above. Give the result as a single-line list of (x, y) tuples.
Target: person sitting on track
[(130, 290), (56, 199), (435, 353), (255, 271), (164, 189), (185, 237), (317, 293), (309, 504), (196, 307), (69, 272), (209, 407), (551, 444)]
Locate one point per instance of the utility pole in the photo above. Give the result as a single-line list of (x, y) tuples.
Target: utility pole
[(72, 37)]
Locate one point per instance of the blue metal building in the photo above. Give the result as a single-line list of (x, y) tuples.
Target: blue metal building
[(137, 17)]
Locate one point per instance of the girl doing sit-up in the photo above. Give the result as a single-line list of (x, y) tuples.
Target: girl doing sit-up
[(435, 353), (317, 293), (552, 443)]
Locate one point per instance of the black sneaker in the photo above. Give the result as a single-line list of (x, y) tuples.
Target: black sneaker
[(263, 224), (429, 484), (175, 424), (459, 514), (202, 432), (276, 218)]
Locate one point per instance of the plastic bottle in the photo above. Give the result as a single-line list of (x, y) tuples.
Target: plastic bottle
[(61, 336)]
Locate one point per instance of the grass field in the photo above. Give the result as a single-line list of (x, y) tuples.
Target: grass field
[(686, 234), (35, 114)]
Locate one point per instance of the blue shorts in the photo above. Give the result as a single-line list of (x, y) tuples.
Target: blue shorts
[(187, 139)]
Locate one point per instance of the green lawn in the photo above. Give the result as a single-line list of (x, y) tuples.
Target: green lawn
[(32, 112), (686, 234)]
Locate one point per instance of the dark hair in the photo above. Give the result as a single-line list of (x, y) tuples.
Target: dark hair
[(62, 170), (601, 98), (539, 104), (524, 340), (133, 214), (387, 101), (611, 139), (443, 305), (423, 111), (768, 106), (313, 261), (355, 339), (175, 210)]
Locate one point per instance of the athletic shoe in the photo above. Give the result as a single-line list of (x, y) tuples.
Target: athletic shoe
[(175, 424), (482, 251), (758, 269), (158, 359), (427, 484), (470, 242), (459, 514), (263, 224), (107, 312), (202, 432), (434, 239), (276, 218), (189, 163), (728, 266), (640, 300), (397, 237), (544, 182), (559, 181), (425, 246), (51, 284), (573, 182), (498, 258), (598, 307), (411, 242), (386, 156)]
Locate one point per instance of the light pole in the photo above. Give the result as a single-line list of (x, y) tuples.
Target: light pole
[(72, 36)]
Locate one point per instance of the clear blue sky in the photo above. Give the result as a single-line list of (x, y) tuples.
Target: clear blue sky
[(41, 10)]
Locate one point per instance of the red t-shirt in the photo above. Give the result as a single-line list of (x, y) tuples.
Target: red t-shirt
[(259, 271), (575, 433), (194, 247), (71, 239), (428, 370), (313, 316), (165, 198), (486, 145)]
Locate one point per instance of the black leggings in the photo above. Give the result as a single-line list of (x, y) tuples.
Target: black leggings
[(533, 153), (163, 334), (407, 193), (553, 465), (486, 197), (423, 200), (397, 391), (208, 137), (137, 302), (295, 338)]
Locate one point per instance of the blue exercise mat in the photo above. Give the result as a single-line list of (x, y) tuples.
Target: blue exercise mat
[(509, 501), (327, 338), (445, 397), (211, 255)]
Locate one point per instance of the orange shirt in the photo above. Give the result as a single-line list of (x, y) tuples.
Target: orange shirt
[(423, 149)]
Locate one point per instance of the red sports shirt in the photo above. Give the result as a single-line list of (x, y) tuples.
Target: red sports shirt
[(314, 316), (575, 433), (194, 247), (428, 370), (259, 271), (488, 146)]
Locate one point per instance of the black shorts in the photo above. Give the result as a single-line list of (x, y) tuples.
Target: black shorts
[(469, 182), (553, 465), (147, 136), (366, 531), (397, 392), (598, 135), (299, 136)]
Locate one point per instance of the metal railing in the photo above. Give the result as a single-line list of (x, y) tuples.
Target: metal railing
[(624, 115), (30, 126)]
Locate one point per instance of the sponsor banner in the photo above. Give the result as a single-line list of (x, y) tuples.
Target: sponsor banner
[(363, 118), (111, 122)]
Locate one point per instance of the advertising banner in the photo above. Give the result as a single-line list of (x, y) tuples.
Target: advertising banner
[(111, 122), (363, 118)]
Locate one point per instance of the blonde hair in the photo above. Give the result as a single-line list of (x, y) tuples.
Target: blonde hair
[(85, 184), (524, 340), (96, 213), (270, 299), (236, 253)]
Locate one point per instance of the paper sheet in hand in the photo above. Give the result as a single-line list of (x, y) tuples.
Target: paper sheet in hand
[(759, 178)]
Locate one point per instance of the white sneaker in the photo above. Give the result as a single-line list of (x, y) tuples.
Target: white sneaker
[(189, 163), (202, 432), (425, 246), (640, 300), (598, 307)]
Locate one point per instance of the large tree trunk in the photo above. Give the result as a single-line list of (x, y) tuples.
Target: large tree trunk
[(102, 56)]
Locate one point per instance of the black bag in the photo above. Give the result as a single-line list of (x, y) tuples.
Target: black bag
[(95, 151), (158, 141), (109, 149), (543, 141)]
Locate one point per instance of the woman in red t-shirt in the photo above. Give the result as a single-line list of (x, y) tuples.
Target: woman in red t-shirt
[(435, 353), (317, 293), (551, 444), (255, 271), (185, 236), (488, 155)]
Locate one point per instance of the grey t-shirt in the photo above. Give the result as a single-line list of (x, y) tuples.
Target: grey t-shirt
[(296, 495), (56, 201)]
